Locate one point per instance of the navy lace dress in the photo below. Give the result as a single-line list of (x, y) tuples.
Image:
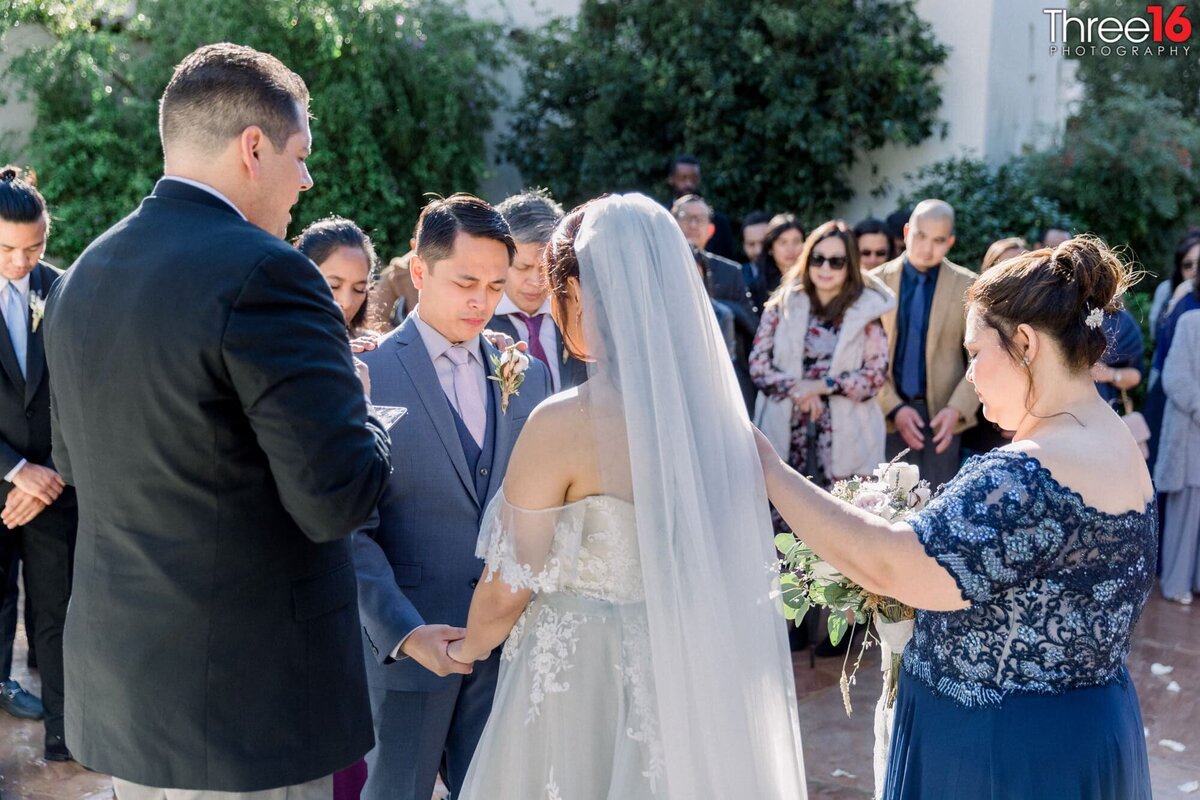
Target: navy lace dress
[(1025, 693)]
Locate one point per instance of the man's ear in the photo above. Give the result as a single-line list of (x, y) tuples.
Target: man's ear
[(250, 144), (416, 271)]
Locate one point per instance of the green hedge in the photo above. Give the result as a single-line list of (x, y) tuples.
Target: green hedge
[(402, 94)]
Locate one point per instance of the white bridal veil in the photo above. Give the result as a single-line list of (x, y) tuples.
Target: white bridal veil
[(675, 434)]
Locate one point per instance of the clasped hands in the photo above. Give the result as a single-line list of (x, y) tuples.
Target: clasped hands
[(34, 488), (439, 649), (910, 425), (807, 397)]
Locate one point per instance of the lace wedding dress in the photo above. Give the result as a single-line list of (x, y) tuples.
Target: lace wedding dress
[(575, 714), (652, 661)]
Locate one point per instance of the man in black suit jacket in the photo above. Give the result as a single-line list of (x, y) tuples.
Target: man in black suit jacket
[(207, 412), (39, 509), (725, 283)]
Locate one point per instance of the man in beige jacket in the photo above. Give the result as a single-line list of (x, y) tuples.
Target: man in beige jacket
[(927, 398)]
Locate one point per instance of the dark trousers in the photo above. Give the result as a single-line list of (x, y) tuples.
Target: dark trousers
[(935, 468), (10, 569), (47, 549), (419, 734)]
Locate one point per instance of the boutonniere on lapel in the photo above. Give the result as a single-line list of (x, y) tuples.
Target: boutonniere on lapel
[(510, 368), (37, 310)]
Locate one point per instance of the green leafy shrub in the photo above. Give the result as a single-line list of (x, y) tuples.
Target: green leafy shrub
[(776, 97), (1127, 170), (402, 95)]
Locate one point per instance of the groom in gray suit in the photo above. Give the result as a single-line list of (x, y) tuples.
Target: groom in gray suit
[(416, 562)]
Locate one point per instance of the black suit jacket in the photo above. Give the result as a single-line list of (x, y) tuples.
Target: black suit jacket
[(571, 371), (727, 285), (25, 400), (207, 412)]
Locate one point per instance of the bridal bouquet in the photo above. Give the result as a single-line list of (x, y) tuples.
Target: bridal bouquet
[(895, 491)]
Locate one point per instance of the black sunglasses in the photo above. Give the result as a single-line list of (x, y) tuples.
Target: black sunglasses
[(834, 262)]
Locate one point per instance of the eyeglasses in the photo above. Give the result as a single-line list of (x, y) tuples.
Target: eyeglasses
[(876, 253), (834, 262), (694, 219)]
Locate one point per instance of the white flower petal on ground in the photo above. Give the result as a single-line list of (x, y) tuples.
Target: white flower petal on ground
[(1171, 744), (1161, 669), (1190, 787), (841, 773), (1173, 687)]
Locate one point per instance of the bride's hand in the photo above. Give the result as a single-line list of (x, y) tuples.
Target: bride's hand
[(455, 651)]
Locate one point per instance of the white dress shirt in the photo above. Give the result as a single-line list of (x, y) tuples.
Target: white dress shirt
[(548, 335)]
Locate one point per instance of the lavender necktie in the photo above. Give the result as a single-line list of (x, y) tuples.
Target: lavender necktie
[(534, 324), (467, 399)]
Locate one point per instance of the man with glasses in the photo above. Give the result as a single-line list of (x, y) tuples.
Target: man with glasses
[(725, 283), (874, 243), (926, 397)]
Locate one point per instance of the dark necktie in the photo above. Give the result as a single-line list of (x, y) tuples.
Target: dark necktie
[(534, 325), (914, 339)]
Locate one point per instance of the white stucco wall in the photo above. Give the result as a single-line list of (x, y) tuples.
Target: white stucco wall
[(17, 115), (1001, 92)]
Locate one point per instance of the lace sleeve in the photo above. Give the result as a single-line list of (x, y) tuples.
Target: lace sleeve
[(992, 527), (536, 550)]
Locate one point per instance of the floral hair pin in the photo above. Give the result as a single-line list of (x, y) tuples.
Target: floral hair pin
[(1095, 318)]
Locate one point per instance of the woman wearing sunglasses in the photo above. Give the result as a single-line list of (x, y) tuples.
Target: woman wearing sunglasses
[(819, 359)]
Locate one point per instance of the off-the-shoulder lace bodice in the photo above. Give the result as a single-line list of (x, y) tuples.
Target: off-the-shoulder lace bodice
[(1056, 585), (588, 547)]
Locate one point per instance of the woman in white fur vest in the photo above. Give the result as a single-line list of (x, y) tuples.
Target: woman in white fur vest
[(820, 357)]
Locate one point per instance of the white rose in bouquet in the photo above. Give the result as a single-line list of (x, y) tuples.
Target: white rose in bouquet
[(874, 502), (899, 475), (920, 496)]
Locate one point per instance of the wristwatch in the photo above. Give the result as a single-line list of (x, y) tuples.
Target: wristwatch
[(830, 384)]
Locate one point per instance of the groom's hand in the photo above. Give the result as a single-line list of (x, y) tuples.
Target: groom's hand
[(20, 508), (427, 646), (42, 482)]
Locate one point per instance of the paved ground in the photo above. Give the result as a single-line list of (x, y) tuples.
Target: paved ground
[(1168, 634)]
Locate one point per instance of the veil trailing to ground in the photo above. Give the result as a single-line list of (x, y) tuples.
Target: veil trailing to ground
[(673, 436)]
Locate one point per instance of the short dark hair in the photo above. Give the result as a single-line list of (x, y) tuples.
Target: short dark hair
[(531, 215), (756, 218), (20, 201), (682, 158), (1184, 246), (896, 222), (219, 90), (443, 218), (872, 225)]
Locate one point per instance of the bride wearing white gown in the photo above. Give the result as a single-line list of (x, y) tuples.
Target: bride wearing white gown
[(628, 553)]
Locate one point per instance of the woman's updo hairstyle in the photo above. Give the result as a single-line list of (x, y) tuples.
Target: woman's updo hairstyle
[(20, 201), (1056, 291)]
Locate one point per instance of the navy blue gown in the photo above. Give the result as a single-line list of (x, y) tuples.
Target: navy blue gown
[(1025, 694)]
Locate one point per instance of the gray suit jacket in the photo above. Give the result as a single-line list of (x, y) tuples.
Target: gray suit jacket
[(416, 560)]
